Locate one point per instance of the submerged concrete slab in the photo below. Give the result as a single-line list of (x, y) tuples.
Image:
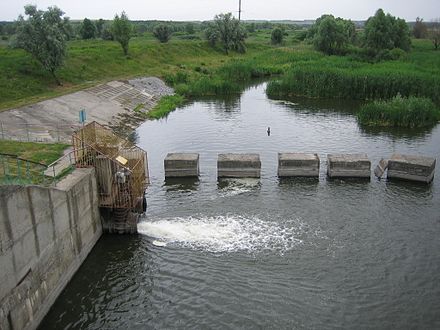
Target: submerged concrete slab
[(239, 166), (181, 165), (412, 168), (298, 164), (380, 168), (348, 166)]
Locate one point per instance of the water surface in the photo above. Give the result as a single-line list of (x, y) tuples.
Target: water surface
[(268, 253)]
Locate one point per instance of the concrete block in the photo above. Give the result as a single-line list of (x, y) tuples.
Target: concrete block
[(181, 165), (348, 166), (298, 164), (238, 166), (412, 168)]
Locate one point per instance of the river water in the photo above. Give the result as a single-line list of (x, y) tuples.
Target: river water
[(268, 253)]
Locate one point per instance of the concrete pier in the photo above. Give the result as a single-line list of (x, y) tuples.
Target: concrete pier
[(412, 168), (181, 165), (239, 166), (348, 166), (298, 164)]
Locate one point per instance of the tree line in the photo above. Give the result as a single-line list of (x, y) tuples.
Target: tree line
[(44, 34)]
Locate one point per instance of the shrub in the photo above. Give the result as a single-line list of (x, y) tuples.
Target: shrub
[(276, 36), (400, 112), (162, 33)]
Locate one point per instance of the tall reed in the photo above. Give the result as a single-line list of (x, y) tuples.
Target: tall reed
[(400, 112)]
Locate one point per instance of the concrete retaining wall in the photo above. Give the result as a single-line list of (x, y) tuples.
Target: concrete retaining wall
[(45, 235)]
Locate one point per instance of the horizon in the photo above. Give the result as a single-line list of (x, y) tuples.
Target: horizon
[(205, 10)]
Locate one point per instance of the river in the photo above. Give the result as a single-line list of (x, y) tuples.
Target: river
[(268, 253)]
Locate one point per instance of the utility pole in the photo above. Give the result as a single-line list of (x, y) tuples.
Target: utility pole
[(239, 10)]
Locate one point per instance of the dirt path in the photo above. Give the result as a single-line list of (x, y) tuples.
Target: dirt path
[(111, 104)]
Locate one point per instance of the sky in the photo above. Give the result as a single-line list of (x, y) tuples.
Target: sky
[(200, 10)]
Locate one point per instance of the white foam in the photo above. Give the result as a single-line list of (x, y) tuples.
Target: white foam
[(225, 233), (236, 187)]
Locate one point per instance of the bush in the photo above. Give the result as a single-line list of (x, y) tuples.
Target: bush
[(400, 112), (179, 78), (276, 36), (162, 33)]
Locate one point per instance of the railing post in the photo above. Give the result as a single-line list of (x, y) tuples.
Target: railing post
[(3, 133), (58, 133), (27, 171)]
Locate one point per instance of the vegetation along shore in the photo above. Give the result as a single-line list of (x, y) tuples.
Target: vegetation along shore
[(333, 58)]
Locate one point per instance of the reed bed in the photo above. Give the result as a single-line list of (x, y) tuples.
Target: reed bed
[(399, 111)]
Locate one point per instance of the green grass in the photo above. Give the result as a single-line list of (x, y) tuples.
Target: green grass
[(400, 112), (13, 170), (165, 105), (195, 69), (43, 153), (90, 62)]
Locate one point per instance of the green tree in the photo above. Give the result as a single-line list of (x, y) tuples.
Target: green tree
[(88, 29), (331, 36), (99, 27), (420, 30), (385, 32), (276, 36), (434, 34), (189, 28), (211, 34), (43, 36), (162, 32), (121, 31), (230, 33)]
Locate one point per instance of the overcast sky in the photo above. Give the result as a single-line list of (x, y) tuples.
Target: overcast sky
[(184, 10)]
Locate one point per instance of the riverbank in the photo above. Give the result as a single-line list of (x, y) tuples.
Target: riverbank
[(111, 104)]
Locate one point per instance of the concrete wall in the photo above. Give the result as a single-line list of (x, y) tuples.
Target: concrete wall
[(45, 235)]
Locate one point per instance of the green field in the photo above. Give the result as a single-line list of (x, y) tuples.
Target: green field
[(194, 69)]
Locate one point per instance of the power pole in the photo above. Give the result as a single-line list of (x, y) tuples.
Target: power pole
[(239, 10)]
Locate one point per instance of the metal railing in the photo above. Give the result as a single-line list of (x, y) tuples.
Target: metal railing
[(16, 170)]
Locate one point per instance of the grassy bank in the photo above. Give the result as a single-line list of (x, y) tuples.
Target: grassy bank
[(400, 112), (90, 62), (165, 106), (43, 153), (344, 77), (195, 69)]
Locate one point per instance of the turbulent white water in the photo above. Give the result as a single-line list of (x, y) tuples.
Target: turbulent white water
[(236, 187), (225, 233)]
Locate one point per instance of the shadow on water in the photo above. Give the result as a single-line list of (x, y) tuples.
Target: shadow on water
[(396, 132), (95, 279), (311, 105), (292, 183), (410, 189)]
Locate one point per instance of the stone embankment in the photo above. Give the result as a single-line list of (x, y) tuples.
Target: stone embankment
[(116, 104)]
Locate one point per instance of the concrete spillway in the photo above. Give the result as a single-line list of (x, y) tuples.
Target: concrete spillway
[(298, 164), (238, 166), (233, 165)]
